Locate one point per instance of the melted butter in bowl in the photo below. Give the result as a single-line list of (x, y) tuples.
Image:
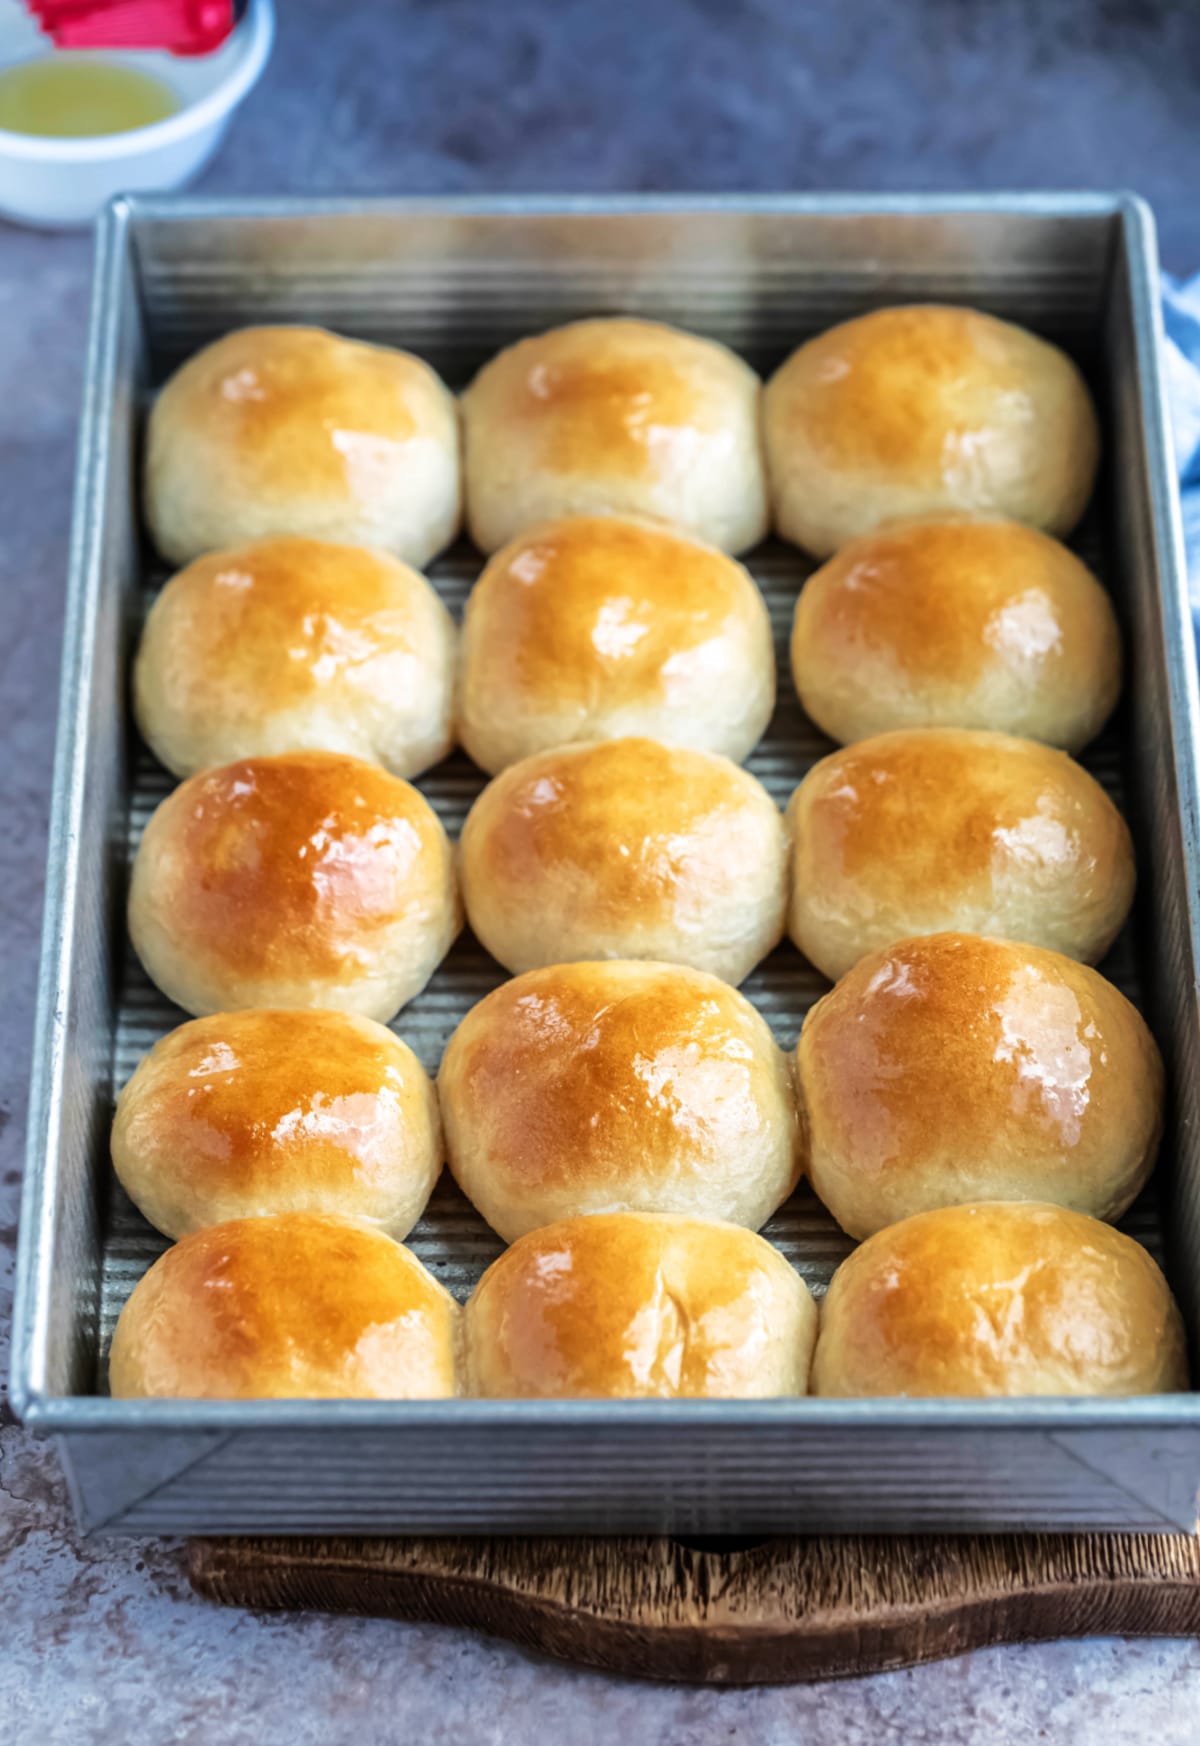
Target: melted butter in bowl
[(81, 96), (78, 128)]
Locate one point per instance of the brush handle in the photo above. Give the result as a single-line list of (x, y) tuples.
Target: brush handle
[(182, 27)]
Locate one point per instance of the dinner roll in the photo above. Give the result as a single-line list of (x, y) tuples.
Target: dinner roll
[(957, 623), (303, 880), (1000, 1298), (929, 829), (276, 430), (615, 416), (635, 1304), (589, 1088), (953, 1068), (927, 408), (596, 627), (275, 1110), (626, 849), (296, 1306), (288, 645)]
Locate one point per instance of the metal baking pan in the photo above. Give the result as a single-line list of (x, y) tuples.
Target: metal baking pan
[(454, 280)]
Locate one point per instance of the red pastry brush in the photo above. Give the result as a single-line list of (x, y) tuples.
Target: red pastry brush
[(182, 27)]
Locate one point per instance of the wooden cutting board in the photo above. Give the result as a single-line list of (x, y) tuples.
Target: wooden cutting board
[(716, 1614)]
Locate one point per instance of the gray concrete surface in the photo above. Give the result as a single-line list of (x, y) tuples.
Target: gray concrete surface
[(101, 1641)]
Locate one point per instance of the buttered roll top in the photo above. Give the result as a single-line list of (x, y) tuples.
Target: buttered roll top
[(295, 1306), (600, 1087), (930, 829), (953, 1068), (999, 1298), (923, 409), (957, 622), (636, 1305), (601, 627), (295, 430), (307, 879), (292, 644), (626, 849), (614, 416), (278, 1110)]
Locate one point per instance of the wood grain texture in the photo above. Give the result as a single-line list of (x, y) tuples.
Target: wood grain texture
[(785, 1610)]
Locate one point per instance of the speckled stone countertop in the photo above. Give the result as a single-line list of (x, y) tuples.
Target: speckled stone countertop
[(101, 1640)]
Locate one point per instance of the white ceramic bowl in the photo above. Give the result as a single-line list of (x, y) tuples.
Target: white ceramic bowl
[(62, 182)]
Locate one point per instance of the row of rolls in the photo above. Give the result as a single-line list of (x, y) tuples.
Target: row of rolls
[(970, 1099), (643, 622), (974, 1109), (902, 412), (315, 879), (602, 627)]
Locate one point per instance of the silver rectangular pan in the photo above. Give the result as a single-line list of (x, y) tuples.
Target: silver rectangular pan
[(454, 280)]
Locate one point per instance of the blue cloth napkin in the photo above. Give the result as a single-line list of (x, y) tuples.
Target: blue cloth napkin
[(1181, 318)]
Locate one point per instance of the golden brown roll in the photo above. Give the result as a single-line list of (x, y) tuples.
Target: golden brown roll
[(930, 829), (598, 627), (615, 416), (588, 1088), (952, 1068), (290, 645), (1000, 1298), (922, 409), (635, 1304), (275, 1110), (304, 880), (955, 622), (277, 430), (296, 1306), (626, 849)]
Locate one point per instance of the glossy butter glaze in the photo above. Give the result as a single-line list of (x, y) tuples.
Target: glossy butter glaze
[(250, 1113), (605, 1086), (923, 408), (957, 622), (275, 430), (929, 829), (1000, 1298), (615, 416), (293, 644), (952, 1068), (632, 1306), (625, 849), (596, 627), (303, 876), (294, 1306)]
